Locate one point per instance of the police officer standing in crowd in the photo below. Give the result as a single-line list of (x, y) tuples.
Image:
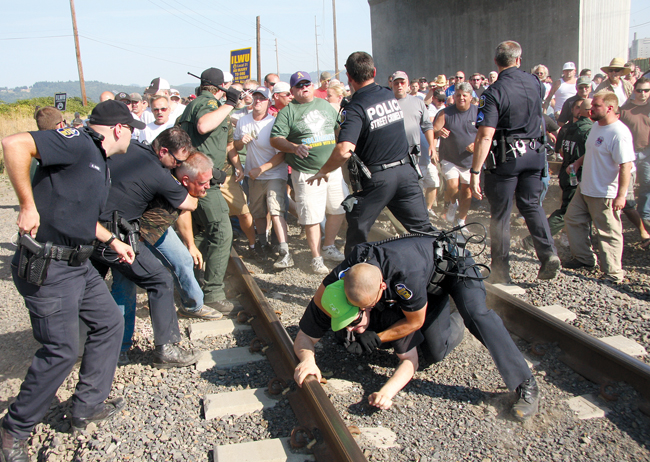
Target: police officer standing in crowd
[(57, 223), (510, 113), (395, 292), (372, 125)]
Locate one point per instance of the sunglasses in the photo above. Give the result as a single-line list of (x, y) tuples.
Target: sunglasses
[(460, 77), (178, 161), (357, 320), (642, 90), (302, 84)]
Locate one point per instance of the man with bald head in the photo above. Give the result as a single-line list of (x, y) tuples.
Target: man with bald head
[(392, 293), (105, 96)]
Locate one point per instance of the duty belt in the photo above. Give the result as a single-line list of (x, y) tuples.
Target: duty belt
[(379, 168)]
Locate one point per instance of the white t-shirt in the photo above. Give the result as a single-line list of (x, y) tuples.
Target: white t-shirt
[(151, 131), (619, 91), (606, 148), (259, 151), (136, 131)]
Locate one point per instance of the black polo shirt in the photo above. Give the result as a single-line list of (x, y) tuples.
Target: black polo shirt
[(138, 177), (373, 120), (513, 103), (71, 185)]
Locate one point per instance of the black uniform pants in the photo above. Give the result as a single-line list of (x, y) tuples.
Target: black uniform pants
[(396, 188), (69, 295), (442, 330), (487, 326), (521, 178), (148, 273)]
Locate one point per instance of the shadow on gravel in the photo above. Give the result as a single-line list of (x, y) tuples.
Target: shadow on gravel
[(15, 208), (5, 263)]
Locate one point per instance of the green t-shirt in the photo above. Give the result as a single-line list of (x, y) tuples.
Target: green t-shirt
[(211, 144), (311, 124)]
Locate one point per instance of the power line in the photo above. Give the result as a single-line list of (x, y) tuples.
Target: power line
[(221, 26), (639, 25), (32, 38)]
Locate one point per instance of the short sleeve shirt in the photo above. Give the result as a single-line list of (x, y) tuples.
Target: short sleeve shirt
[(311, 124), (374, 121), (138, 178), (71, 186)]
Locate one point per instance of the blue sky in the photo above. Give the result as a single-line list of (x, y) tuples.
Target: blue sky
[(131, 42)]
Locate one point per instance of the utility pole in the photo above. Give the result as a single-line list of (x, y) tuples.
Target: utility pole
[(277, 59), (316, 32), (336, 51), (259, 53), (76, 45)]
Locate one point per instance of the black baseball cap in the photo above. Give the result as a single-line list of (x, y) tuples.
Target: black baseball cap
[(113, 112), (212, 76)]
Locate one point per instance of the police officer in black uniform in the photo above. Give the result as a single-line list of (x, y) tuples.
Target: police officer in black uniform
[(511, 137), (137, 179), (372, 125), (59, 210), (403, 275)]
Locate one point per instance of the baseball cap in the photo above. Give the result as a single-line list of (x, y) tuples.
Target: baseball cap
[(584, 80), (569, 66), (262, 90), (121, 96), (113, 112), (336, 303), (281, 87), (227, 77), (157, 84), (173, 92), (400, 75), (299, 77), (212, 76), (135, 97)]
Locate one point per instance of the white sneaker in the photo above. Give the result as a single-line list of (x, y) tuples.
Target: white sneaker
[(284, 261), (331, 253), (460, 222), (432, 214), (451, 212), (318, 267)]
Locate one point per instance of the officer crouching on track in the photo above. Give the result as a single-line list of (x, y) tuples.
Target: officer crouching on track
[(401, 279), (372, 125), (57, 225), (510, 141)]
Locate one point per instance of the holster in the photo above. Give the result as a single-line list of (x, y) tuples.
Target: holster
[(33, 260), (413, 156)]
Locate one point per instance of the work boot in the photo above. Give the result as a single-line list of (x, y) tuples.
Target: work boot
[(224, 306), (574, 263), (550, 268), (170, 355), (109, 409), (205, 312), (13, 449), (123, 359), (527, 403)]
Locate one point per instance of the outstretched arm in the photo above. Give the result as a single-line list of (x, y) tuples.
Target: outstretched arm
[(408, 364), (303, 347)]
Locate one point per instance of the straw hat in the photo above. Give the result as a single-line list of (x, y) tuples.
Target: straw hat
[(616, 64)]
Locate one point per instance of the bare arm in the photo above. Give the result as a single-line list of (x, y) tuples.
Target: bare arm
[(623, 183), (190, 203), (18, 151), (339, 155), (481, 149), (123, 250), (433, 154), (265, 167), (438, 126), (551, 93), (233, 156), (303, 347), (403, 374), (184, 228), (212, 120), (411, 322), (282, 144)]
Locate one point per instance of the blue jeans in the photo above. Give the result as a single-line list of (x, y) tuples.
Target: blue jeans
[(174, 255), (643, 177)]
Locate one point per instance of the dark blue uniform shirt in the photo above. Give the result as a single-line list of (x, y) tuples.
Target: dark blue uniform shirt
[(373, 120), (71, 187)]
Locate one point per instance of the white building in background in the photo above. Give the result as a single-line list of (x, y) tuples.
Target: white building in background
[(640, 48)]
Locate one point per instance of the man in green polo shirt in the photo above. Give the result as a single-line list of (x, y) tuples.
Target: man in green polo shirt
[(304, 132), (206, 120)]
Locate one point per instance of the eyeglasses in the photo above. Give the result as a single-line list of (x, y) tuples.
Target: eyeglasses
[(358, 319), (460, 77), (178, 161), (476, 80), (642, 90), (159, 109), (302, 84)]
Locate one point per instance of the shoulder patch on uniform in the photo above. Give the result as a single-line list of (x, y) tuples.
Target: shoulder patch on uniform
[(480, 117), (67, 132), (481, 101), (342, 117), (176, 179), (403, 291), (342, 273), (213, 103)]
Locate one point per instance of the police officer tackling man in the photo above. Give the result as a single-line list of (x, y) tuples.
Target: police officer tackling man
[(206, 121), (59, 210), (510, 112), (372, 125), (391, 294), (138, 178)]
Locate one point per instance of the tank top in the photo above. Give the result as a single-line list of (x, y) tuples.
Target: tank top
[(462, 128), (566, 91)]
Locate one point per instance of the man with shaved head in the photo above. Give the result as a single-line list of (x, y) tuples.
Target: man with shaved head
[(394, 294), (105, 96)]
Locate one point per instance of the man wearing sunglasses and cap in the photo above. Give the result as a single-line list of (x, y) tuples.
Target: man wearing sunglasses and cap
[(207, 121), (60, 286), (392, 293), (614, 83)]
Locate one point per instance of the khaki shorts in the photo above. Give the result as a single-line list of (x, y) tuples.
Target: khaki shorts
[(234, 195), (267, 196), (451, 171), (430, 178), (313, 202)]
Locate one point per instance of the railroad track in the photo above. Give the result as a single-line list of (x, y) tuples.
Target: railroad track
[(323, 429)]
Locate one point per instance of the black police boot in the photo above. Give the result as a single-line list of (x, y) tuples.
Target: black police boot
[(109, 409), (527, 403), (550, 268), (170, 355), (13, 449)]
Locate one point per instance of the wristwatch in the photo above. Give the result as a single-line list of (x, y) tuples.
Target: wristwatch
[(113, 237), (474, 172)]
